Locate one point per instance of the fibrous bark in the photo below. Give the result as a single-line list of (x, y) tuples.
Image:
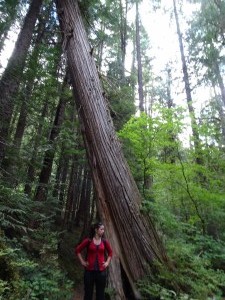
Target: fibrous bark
[(134, 239)]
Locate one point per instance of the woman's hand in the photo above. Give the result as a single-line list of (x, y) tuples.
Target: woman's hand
[(105, 264), (85, 263)]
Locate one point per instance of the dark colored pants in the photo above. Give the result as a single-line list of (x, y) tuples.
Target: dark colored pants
[(97, 279)]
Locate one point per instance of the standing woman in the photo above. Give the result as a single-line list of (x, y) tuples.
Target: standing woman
[(95, 262)]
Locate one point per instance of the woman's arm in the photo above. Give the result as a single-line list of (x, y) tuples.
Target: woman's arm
[(79, 249), (109, 252), (82, 261)]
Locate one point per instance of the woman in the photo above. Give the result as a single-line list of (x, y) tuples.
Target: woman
[(95, 263)]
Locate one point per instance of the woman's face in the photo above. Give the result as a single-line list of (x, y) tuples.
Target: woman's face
[(100, 230)]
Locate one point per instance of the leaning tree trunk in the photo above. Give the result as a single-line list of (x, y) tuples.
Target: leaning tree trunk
[(135, 241), (11, 77)]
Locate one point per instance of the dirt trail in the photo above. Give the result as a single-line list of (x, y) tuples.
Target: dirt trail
[(79, 293)]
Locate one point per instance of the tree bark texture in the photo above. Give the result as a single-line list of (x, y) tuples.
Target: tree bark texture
[(134, 239), (11, 77)]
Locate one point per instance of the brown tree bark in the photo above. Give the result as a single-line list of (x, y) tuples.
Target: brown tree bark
[(45, 173), (11, 77), (123, 36), (31, 170), (10, 162), (138, 49), (194, 125), (83, 214), (135, 241), (222, 104), (8, 22), (73, 193)]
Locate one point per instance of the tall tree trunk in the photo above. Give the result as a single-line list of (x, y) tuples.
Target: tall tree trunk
[(191, 110), (123, 36), (31, 167), (73, 192), (11, 77), (132, 235), (221, 105), (220, 81), (11, 10), (83, 212), (60, 184), (10, 162), (46, 170), (138, 49)]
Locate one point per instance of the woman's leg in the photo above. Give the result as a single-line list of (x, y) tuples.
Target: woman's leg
[(88, 285), (100, 282)]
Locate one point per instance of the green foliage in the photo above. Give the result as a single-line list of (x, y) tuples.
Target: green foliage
[(25, 277), (29, 264), (147, 141), (14, 209), (121, 105), (195, 274), (186, 203)]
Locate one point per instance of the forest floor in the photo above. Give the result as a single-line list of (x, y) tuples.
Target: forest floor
[(79, 293)]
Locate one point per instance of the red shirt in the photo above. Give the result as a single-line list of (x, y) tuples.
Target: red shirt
[(95, 252)]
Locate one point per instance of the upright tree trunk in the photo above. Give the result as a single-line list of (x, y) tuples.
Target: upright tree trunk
[(10, 162), (170, 151), (84, 211), (60, 185), (123, 36), (138, 49), (194, 125), (135, 241), (220, 81), (73, 192), (221, 105), (5, 27), (45, 174), (31, 166), (11, 77)]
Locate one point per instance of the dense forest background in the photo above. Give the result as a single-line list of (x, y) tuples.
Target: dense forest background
[(167, 103)]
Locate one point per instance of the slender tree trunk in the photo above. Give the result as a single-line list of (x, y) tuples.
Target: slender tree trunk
[(220, 81), (135, 241), (11, 77), (83, 212), (59, 191), (5, 27), (10, 163), (194, 125), (138, 48), (73, 192), (31, 167), (221, 105), (46, 170), (123, 36)]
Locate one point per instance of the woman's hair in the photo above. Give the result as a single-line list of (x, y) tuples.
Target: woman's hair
[(93, 228)]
